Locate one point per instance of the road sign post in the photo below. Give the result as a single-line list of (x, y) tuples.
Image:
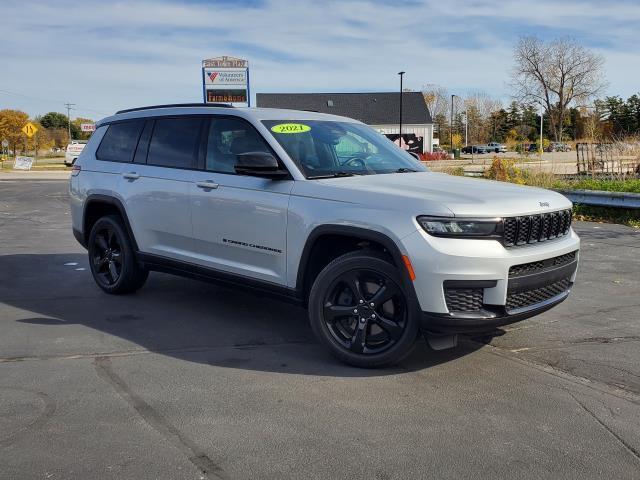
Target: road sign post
[(30, 130)]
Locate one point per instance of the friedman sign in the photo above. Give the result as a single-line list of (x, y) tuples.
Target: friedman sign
[(226, 80)]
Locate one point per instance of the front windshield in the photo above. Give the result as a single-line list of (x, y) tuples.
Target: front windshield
[(327, 149)]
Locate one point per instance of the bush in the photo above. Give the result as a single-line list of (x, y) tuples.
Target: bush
[(455, 171), (505, 171), (431, 156)]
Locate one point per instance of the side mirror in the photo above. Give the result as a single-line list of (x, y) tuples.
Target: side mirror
[(259, 164)]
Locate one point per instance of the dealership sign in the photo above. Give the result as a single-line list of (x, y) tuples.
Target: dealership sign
[(88, 127), (225, 80)]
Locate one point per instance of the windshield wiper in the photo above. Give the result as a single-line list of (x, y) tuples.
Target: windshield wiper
[(405, 170), (334, 175)]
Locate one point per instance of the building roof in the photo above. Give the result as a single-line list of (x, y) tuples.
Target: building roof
[(381, 108)]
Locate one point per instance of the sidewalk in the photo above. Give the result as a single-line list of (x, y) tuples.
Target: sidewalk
[(34, 175)]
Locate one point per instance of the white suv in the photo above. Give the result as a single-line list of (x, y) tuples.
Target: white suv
[(324, 211)]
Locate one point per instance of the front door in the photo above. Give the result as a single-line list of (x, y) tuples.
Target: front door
[(239, 222)]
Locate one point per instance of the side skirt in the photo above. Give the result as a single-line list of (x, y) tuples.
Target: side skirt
[(159, 263)]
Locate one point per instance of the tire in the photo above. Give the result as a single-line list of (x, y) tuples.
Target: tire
[(343, 319), (112, 257)]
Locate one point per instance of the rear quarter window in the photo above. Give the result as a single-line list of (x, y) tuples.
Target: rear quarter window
[(119, 143)]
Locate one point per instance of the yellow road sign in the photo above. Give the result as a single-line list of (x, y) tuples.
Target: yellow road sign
[(29, 129)]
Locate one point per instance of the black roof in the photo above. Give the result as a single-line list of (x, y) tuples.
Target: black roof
[(381, 108)]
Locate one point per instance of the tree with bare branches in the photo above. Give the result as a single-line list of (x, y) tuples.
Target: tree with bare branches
[(555, 75)]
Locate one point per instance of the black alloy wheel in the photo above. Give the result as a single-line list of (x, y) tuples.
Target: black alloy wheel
[(360, 310), (365, 311), (112, 258), (107, 256)]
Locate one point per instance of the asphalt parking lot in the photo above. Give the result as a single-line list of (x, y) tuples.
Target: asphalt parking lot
[(193, 380)]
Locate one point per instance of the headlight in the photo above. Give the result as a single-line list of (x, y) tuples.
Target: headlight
[(461, 227)]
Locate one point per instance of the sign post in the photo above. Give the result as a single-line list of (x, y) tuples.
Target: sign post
[(226, 80), (5, 151), (30, 130)]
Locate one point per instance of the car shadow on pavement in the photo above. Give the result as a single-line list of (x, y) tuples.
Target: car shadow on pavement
[(181, 318)]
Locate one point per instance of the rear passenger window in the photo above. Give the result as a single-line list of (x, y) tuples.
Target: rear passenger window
[(174, 142), (119, 143), (229, 137)]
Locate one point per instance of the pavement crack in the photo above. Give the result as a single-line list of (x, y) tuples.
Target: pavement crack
[(155, 420), (615, 390), (621, 440), (158, 351), (47, 412)]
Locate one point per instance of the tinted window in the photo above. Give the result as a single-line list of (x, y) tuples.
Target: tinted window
[(174, 142), (143, 143), (119, 143), (229, 137)]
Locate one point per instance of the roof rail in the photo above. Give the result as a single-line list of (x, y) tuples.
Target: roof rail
[(172, 105)]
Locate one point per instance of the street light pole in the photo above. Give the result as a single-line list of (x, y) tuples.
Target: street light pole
[(451, 125), (466, 128), (541, 149), (400, 126)]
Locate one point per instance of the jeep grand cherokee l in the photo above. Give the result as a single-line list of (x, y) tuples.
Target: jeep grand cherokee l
[(321, 210)]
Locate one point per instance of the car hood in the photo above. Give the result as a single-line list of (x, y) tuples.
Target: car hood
[(428, 193)]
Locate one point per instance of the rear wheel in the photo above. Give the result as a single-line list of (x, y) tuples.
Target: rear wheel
[(112, 259), (359, 309)]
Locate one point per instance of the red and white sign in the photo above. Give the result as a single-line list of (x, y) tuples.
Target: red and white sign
[(88, 127), (214, 76)]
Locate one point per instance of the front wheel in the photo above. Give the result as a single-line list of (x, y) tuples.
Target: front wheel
[(359, 309)]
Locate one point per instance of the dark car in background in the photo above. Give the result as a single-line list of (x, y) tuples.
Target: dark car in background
[(480, 149)]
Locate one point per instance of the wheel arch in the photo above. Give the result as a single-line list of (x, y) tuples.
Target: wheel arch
[(357, 238), (99, 205)]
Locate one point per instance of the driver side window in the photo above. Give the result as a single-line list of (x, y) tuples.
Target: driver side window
[(227, 138)]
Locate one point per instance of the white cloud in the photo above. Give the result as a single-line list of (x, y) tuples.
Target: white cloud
[(104, 56)]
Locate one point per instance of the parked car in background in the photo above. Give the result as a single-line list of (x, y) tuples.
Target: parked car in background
[(558, 147), (480, 149), (74, 149), (496, 147), (533, 147)]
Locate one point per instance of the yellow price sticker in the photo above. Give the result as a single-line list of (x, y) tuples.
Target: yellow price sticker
[(290, 128)]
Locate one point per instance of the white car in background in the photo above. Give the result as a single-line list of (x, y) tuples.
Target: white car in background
[(496, 147), (74, 149)]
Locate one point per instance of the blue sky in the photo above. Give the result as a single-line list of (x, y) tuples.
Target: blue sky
[(105, 56)]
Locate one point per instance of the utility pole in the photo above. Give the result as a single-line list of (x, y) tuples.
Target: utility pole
[(400, 126), (69, 108)]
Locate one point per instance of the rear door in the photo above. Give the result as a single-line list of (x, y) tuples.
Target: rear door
[(239, 222), (157, 186)]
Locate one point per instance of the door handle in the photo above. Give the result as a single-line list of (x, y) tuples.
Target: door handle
[(208, 185), (131, 176)]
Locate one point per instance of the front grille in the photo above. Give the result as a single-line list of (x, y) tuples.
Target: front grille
[(463, 299), (531, 297), (541, 265), (536, 228)]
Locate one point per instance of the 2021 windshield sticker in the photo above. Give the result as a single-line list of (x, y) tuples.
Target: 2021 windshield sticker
[(290, 128)]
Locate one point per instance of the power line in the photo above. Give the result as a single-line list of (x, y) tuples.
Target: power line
[(50, 100)]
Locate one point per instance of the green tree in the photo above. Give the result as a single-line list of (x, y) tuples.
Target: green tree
[(57, 120)]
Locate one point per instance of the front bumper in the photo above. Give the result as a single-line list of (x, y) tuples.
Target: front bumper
[(484, 320), (499, 294)]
